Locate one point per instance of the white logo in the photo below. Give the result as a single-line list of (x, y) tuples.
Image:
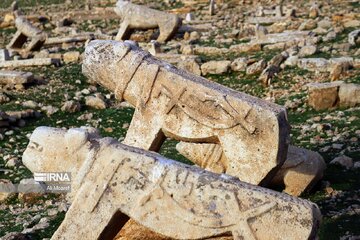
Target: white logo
[(52, 177)]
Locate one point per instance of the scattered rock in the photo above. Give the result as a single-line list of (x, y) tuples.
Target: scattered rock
[(323, 95), (344, 161), (215, 67), (353, 37), (239, 64), (71, 106), (307, 50), (256, 67), (4, 98), (95, 102), (308, 25), (190, 65), (314, 10), (70, 57), (349, 95)]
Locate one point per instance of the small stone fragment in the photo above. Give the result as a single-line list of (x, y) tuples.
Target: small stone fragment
[(70, 57), (15, 77), (95, 102), (239, 64), (215, 67), (307, 50), (256, 67), (344, 161), (71, 106), (349, 95)]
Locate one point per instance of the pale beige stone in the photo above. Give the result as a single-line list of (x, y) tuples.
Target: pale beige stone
[(300, 172), (95, 102), (349, 95), (113, 182), (239, 64), (15, 77), (314, 64), (173, 103), (323, 95), (210, 50), (190, 65), (284, 37), (266, 20), (70, 57), (30, 62), (245, 47), (141, 17), (256, 67), (25, 31), (215, 67)]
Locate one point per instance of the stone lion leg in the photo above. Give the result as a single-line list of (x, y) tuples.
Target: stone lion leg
[(18, 40), (168, 29), (36, 43), (145, 131), (124, 31)]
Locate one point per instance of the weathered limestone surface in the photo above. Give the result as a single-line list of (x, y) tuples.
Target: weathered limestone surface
[(113, 182), (333, 94), (266, 20), (14, 77), (30, 62), (323, 95), (300, 172), (281, 37), (173, 103), (141, 17), (349, 95), (26, 30)]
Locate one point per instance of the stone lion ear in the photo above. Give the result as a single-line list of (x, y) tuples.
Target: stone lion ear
[(76, 138)]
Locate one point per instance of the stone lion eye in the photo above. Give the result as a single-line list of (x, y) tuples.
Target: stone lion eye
[(35, 146)]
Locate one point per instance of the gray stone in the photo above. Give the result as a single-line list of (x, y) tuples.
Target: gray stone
[(71, 106), (4, 55), (353, 37), (344, 161), (307, 50)]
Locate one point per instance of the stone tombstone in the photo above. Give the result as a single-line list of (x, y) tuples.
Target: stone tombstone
[(172, 103), (141, 17), (25, 31), (112, 182)]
